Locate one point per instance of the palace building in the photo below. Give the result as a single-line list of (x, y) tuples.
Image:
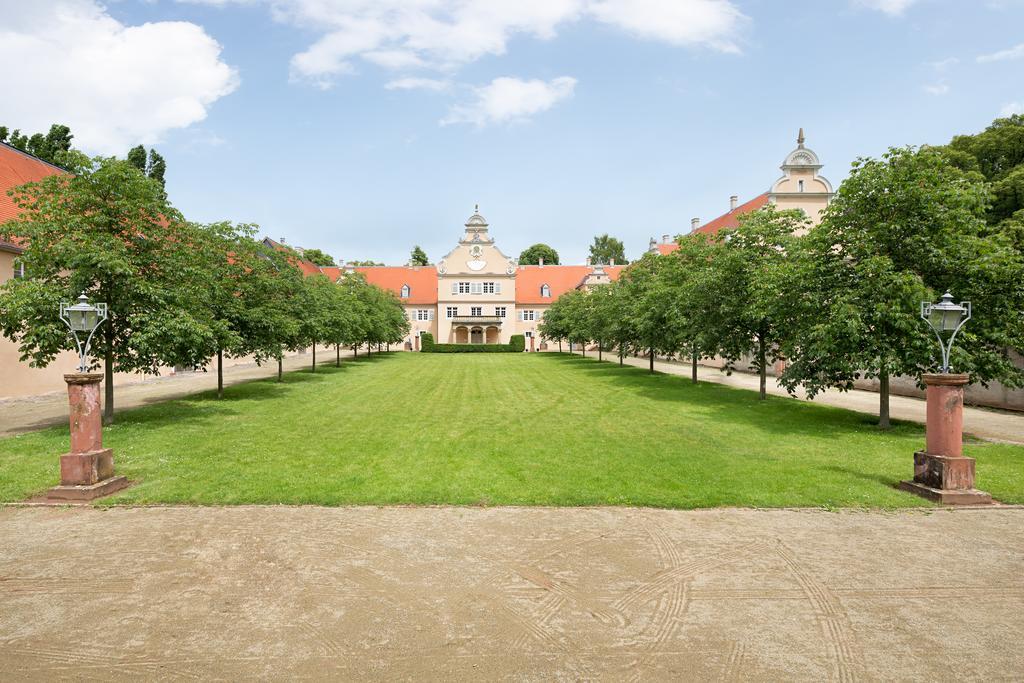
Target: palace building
[(477, 294)]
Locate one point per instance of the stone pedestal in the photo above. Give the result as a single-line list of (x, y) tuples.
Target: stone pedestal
[(941, 472), (87, 471)]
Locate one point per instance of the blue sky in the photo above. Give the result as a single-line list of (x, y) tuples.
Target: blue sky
[(366, 127)]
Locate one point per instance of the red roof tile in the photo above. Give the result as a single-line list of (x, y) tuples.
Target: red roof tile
[(729, 221), (18, 168), (422, 281), (561, 279), (665, 249)]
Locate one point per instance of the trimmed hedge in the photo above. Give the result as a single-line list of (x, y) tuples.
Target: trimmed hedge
[(517, 344)]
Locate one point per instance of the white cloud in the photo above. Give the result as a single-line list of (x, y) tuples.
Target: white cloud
[(944, 64), (114, 85), (1015, 52), (446, 34), (937, 89), (1012, 108), (507, 100), (418, 84), (891, 7)]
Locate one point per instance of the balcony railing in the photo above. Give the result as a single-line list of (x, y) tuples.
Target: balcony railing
[(477, 319)]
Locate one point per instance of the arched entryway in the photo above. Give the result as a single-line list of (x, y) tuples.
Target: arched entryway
[(461, 335), (476, 336), (492, 335)]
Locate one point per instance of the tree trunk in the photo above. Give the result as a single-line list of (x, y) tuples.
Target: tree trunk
[(280, 366), (337, 355), (599, 349), (220, 373), (584, 347), (693, 365), (108, 376), (763, 369), (883, 399), (314, 356), (652, 359), (620, 355), (559, 345), (355, 350)]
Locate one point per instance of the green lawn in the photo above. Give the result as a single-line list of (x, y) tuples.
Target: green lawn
[(519, 429)]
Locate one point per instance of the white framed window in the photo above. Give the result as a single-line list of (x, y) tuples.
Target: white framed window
[(464, 287), (452, 311), (19, 270), (406, 291), (527, 315), (528, 334), (476, 310), (488, 288), (499, 311), (799, 186), (476, 288), (424, 314), (545, 291)]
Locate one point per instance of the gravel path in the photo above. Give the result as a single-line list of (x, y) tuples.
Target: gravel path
[(523, 593)]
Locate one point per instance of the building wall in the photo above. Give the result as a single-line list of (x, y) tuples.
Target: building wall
[(476, 260)]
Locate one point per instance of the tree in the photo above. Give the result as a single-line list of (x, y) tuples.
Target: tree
[(532, 255), (902, 229), (152, 164), (650, 307), (107, 231), (318, 257), (52, 147), (246, 294), (418, 257), (362, 264), (607, 250), (742, 288)]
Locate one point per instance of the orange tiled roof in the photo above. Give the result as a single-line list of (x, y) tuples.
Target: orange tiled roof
[(729, 221), (18, 168), (665, 249), (560, 279), (422, 281)]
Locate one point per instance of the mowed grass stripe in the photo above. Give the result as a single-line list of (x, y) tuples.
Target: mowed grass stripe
[(519, 429)]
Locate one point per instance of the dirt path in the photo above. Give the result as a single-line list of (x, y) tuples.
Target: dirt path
[(526, 593), (35, 412), (996, 425)]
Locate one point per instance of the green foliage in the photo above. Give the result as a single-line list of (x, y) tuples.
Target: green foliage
[(318, 257), (532, 255), (607, 250), (517, 344), (54, 147), (902, 229), (365, 264), (418, 257), (152, 165)]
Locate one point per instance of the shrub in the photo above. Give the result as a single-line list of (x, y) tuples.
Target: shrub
[(517, 342), (427, 343)]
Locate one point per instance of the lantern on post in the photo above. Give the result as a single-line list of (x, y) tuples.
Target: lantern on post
[(941, 471), (87, 470), (83, 319), (946, 318)]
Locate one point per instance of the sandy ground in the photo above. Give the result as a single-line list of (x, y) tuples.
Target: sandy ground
[(995, 425), (510, 593)]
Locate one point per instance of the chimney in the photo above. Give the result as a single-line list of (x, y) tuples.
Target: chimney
[(664, 239), (588, 260), (282, 241), (694, 224), (540, 262), (732, 202), (612, 262)]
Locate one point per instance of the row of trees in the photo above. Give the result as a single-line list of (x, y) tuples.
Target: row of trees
[(179, 293), (837, 301)]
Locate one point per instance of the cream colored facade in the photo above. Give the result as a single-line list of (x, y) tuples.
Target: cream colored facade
[(801, 187)]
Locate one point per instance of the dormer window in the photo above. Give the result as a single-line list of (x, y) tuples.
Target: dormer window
[(799, 186), (406, 291), (545, 291)]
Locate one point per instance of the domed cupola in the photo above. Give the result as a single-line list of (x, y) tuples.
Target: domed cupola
[(801, 157), (476, 228)]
